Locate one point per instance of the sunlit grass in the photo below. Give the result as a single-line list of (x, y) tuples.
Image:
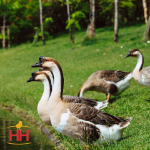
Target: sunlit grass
[(78, 62)]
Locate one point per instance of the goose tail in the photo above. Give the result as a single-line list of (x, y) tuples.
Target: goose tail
[(101, 105), (125, 123)]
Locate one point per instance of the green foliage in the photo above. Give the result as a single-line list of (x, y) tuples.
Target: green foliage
[(128, 3), (23, 15), (1, 36), (48, 20), (74, 21)]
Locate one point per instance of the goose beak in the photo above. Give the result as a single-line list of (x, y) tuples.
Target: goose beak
[(38, 64), (129, 54), (31, 79)]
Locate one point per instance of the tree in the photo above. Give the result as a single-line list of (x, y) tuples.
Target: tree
[(68, 12), (41, 22), (74, 21), (145, 10), (4, 21), (91, 26), (38, 33), (116, 22), (147, 21)]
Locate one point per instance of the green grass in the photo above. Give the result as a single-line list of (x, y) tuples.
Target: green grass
[(78, 62)]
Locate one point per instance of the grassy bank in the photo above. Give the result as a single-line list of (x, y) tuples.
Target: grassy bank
[(78, 62)]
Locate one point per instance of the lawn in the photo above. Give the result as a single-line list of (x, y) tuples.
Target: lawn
[(78, 62)]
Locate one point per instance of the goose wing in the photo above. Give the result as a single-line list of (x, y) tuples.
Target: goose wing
[(82, 100), (146, 75), (146, 71), (113, 75), (93, 115)]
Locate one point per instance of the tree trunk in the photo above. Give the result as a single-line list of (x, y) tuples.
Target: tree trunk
[(116, 22), (149, 18), (145, 10), (35, 37), (41, 22), (91, 27), (68, 12), (8, 36), (147, 31), (4, 21)]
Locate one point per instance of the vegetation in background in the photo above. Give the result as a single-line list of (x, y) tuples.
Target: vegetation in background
[(23, 15), (73, 24), (78, 62)]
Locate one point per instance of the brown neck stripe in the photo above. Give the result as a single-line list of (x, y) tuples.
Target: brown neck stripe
[(62, 77), (48, 78), (52, 75), (61, 73), (142, 62)]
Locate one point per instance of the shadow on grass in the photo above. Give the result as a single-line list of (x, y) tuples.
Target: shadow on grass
[(112, 144), (118, 97), (89, 41), (148, 100), (114, 99)]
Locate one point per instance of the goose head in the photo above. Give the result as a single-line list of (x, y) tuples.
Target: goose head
[(133, 53), (46, 63), (38, 76)]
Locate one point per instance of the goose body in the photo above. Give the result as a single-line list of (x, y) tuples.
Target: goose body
[(142, 76), (76, 120), (111, 82), (42, 107), (67, 98), (46, 77)]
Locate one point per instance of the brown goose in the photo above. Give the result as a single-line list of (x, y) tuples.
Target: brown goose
[(79, 121), (142, 76), (46, 78), (75, 99), (111, 82)]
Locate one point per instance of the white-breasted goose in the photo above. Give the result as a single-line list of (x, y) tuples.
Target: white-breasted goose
[(76, 99), (142, 76), (47, 78), (42, 108), (111, 82), (80, 121)]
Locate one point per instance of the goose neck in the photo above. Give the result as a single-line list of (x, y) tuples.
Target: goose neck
[(58, 82), (47, 90), (140, 61)]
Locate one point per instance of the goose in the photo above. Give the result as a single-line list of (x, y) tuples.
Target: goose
[(142, 76), (79, 121), (111, 82), (46, 77), (42, 108), (76, 99)]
